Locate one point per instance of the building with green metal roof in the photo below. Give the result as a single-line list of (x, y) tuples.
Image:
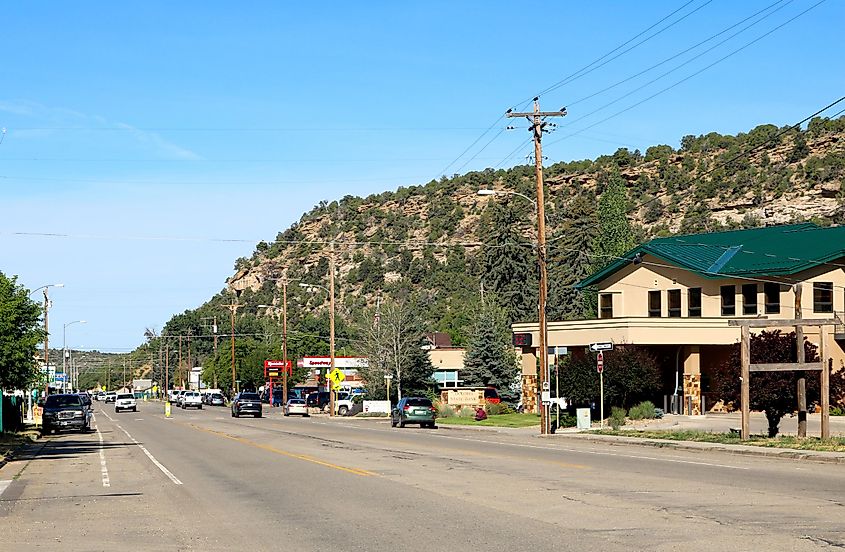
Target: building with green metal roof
[(676, 296)]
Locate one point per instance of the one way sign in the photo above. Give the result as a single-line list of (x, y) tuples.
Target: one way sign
[(596, 347)]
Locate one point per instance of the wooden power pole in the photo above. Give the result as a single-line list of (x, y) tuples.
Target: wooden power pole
[(538, 126)]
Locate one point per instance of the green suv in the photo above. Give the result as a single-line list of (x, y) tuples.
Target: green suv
[(413, 410)]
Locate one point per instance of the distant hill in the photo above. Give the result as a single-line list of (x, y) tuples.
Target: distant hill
[(443, 241)]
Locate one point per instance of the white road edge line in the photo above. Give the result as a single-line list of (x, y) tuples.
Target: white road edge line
[(152, 458), (106, 414), (103, 469)]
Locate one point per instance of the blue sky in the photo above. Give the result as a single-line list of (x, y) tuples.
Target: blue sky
[(144, 132)]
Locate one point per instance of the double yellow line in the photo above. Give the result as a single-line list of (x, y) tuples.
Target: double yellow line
[(274, 450)]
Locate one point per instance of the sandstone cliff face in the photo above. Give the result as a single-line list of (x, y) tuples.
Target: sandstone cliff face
[(772, 185)]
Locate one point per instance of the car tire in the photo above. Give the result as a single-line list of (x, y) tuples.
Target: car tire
[(286, 414), (200, 407), (258, 415), (233, 413), (392, 421), (134, 409), (341, 411), (401, 422)]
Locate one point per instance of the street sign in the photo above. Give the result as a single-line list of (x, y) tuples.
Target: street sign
[(273, 368), (522, 340), (337, 376), (600, 362), (606, 346), (545, 386)]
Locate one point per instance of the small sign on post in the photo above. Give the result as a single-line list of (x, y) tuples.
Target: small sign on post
[(598, 347), (600, 370)]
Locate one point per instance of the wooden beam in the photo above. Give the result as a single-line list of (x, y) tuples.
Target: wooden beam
[(825, 383), (773, 323), (745, 395), (801, 386), (785, 366)]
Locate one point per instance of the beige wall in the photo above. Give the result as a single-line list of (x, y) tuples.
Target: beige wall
[(447, 359)]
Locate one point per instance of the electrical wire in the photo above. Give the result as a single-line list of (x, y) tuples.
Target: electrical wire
[(688, 77)]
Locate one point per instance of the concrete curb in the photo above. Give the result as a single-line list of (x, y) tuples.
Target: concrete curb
[(746, 450)]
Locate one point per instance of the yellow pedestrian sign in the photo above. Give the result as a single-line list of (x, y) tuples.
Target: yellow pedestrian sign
[(337, 376)]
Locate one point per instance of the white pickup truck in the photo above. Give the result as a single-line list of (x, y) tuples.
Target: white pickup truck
[(191, 399)]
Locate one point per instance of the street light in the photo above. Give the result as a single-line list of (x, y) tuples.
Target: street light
[(541, 261), (46, 331), (330, 291), (64, 349)]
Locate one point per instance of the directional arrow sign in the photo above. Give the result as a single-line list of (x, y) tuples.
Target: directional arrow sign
[(596, 347)]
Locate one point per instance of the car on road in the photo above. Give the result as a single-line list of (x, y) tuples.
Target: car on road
[(191, 399), (246, 403), (86, 399), (125, 401), (172, 394), (111, 396), (413, 410), (318, 399), (217, 399), (296, 406), (65, 411), (180, 394)]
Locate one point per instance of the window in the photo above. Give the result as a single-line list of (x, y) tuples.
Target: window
[(605, 305), (749, 299), (694, 299), (772, 292), (673, 297), (728, 300), (822, 296), (654, 308)]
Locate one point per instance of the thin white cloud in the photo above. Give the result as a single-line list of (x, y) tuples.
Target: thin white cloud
[(47, 117)]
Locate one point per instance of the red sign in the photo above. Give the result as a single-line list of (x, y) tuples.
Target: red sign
[(273, 368), (600, 362)]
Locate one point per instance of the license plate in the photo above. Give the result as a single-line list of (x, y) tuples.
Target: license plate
[(422, 412), (64, 423)]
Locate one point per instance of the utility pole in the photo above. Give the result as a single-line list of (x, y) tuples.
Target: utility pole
[(801, 391), (331, 327), (190, 369), (233, 307), (167, 368), (179, 368), (538, 126), (284, 341), (214, 331), (46, 340)]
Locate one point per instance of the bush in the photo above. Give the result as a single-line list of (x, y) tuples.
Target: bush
[(444, 410), (466, 412), (837, 411), (643, 411), (495, 409), (568, 420), (617, 417)]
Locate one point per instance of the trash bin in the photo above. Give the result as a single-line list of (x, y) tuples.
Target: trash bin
[(583, 418)]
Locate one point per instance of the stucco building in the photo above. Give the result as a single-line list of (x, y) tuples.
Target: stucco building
[(676, 296)]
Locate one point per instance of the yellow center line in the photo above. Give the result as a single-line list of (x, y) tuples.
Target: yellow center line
[(269, 448)]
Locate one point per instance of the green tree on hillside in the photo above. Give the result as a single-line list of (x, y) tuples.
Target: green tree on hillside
[(19, 335), (490, 357), (615, 236), (569, 258), (510, 262)]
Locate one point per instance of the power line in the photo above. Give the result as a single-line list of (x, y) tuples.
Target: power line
[(734, 52)]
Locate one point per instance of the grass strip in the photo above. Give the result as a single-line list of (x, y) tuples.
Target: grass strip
[(834, 444), (501, 420)]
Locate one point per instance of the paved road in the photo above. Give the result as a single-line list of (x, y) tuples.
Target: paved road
[(205, 481)]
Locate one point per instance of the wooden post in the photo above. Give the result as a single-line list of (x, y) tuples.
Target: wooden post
[(745, 366), (802, 380), (825, 383)]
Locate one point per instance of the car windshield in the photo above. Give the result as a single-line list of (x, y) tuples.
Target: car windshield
[(418, 402), (216, 396), (296, 401), (58, 401), (125, 396), (249, 396)]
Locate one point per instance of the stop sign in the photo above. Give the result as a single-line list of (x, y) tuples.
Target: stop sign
[(600, 362)]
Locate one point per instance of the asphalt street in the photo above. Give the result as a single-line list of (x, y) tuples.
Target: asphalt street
[(203, 480)]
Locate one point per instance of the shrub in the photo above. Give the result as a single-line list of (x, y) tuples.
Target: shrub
[(617, 417), (568, 420), (466, 412), (837, 411), (642, 411), (444, 410), (495, 409)]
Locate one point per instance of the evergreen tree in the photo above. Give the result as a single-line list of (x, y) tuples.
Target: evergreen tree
[(569, 254), (490, 358), (19, 335), (615, 236), (510, 262)]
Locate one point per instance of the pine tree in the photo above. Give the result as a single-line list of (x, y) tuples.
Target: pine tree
[(510, 263), (615, 236), (569, 258), (490, 359)]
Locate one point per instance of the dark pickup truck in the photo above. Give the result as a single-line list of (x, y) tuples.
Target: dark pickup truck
[(65, 412)]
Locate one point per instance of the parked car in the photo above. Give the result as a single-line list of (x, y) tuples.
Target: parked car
[(246, 403), (318, 399), (180, 394), (111, 396), (191, 399), (86, 399), (296, 406), (216, 399), (98, 396), (413, 410), (172, 394), (65, 412), (125, 401)]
